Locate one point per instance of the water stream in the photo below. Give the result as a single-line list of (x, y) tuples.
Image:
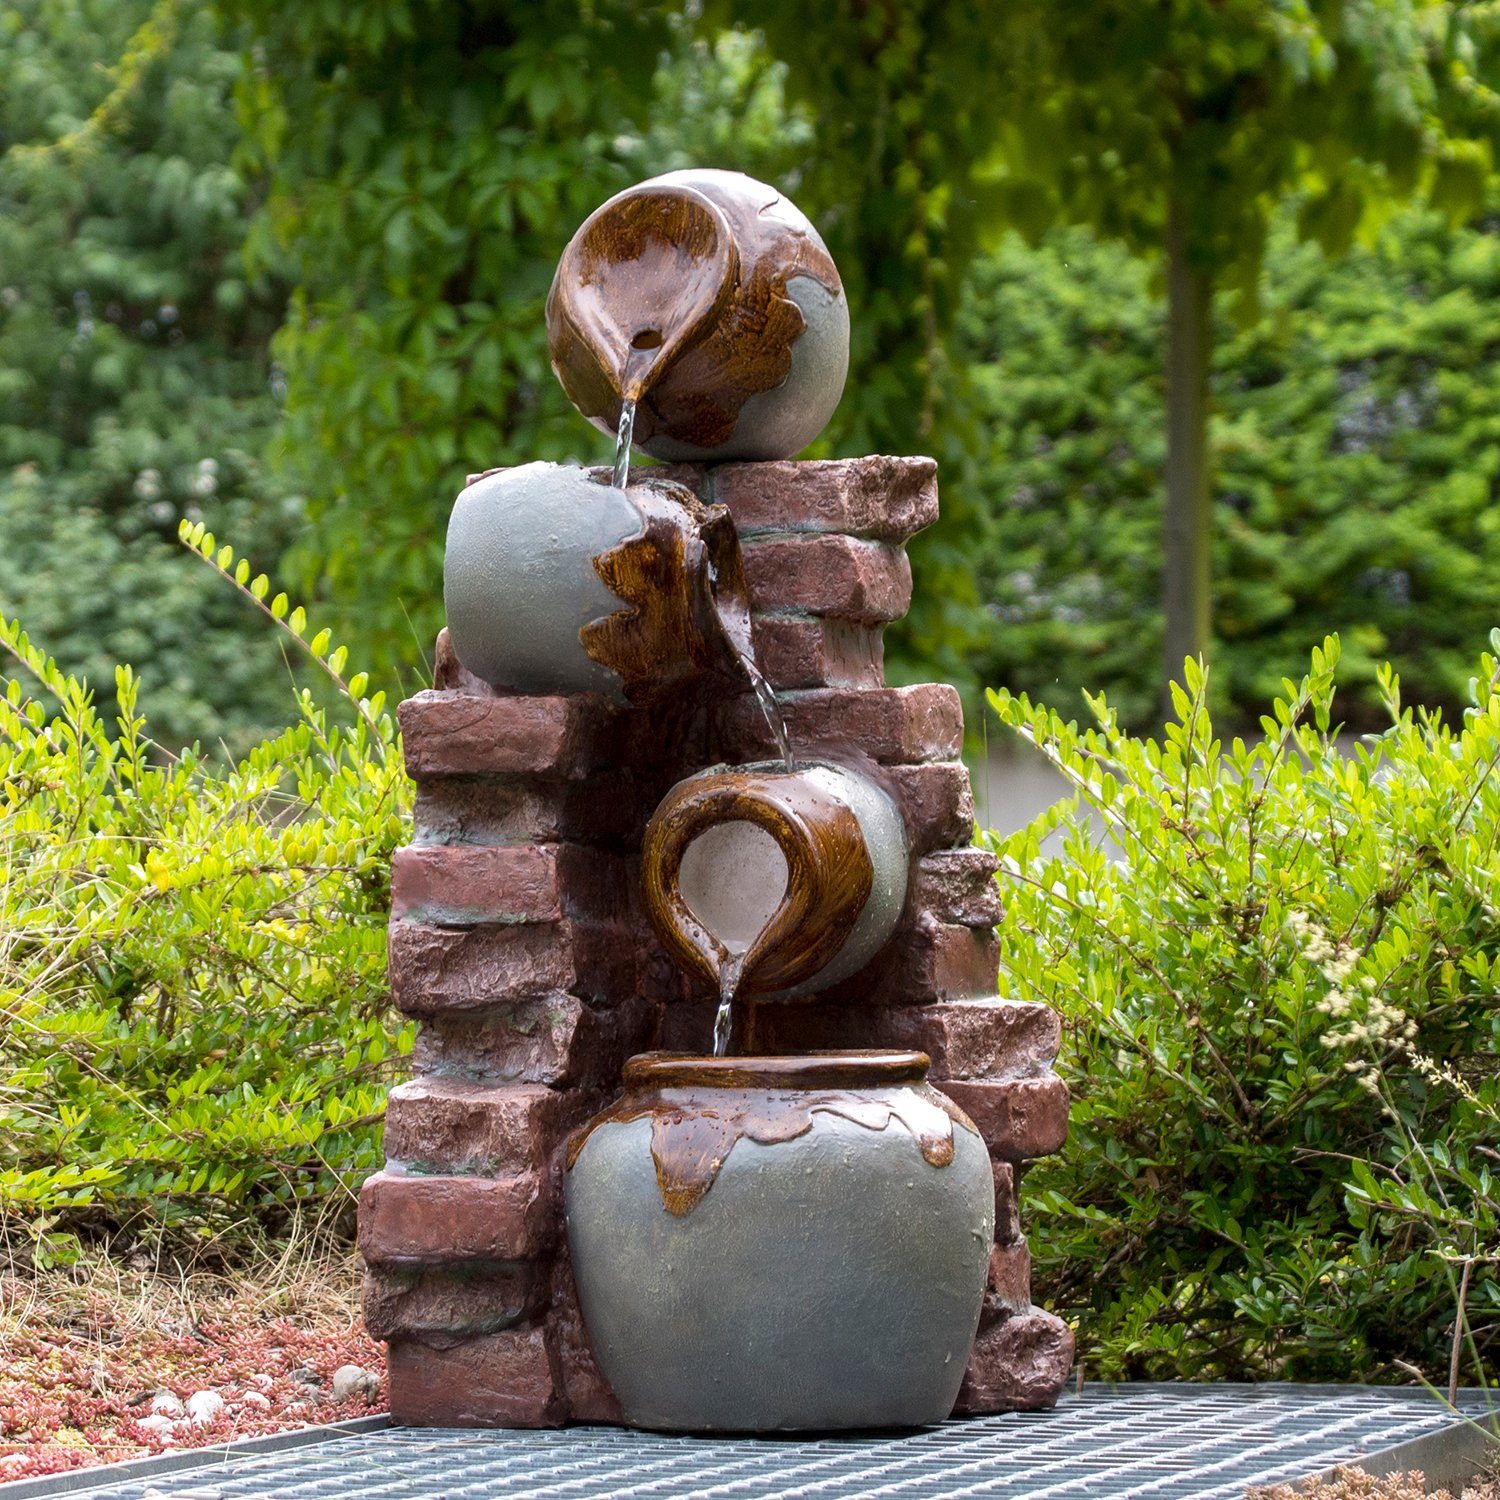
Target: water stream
[(622, 443), (729, 983)]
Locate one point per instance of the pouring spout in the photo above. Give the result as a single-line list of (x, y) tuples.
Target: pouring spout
[(640, 283)]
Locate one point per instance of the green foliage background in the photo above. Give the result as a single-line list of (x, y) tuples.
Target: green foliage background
[(135, 377)]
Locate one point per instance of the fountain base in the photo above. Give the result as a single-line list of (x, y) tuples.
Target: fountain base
[(518, 941)]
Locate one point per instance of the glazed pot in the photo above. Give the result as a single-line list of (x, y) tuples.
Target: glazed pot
[(775, 1243), (711, 301), (557, 582), (794, 877)]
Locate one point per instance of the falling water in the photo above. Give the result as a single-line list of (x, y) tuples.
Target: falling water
[(770, 709), (729, 983), (622, 443)]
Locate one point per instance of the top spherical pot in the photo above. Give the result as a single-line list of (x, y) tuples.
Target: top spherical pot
[(709, 299)]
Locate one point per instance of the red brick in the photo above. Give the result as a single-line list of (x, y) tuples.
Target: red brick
[(936, 961), (452, 734), (956, 885), (876, 496), (796, 653), (1007, 1203), (450, 675), (436, 969), (1018, 1117), (588, 1394), (557, 1039), (442, 1306), (937, 804), (475, 883), (837, 576), (602, 809), (1007, 1287), (457, 1125), (1018, 1364), (498, 1380), (978, 1038), (890, 725), (410, 1220)]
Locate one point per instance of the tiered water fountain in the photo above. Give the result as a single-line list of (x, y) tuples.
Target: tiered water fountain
[(666, 801)]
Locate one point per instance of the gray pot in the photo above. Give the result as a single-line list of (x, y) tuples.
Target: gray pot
[(529, 609), (779, 1243)]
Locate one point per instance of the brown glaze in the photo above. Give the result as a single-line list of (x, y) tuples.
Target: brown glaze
[(684, 583), (703, 268), (701, 1106), (829, 874)]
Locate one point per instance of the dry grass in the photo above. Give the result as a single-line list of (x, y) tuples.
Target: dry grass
[(84, 1351)]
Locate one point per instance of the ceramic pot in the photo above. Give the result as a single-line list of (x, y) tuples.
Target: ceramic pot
[(556, 582), (772, 1243), (795, 877), (709, 299)]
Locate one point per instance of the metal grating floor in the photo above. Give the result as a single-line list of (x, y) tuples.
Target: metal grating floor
[(1144, 1442)]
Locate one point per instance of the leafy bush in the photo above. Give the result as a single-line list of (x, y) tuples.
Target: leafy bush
[(192, 957), (1279, 964)]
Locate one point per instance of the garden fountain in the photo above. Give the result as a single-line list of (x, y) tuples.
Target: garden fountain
[(674, 836)]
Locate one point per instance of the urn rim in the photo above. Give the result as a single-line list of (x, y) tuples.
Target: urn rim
[(854, 1068)]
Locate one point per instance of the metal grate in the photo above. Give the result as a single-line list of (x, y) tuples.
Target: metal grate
[(1133, 1442)]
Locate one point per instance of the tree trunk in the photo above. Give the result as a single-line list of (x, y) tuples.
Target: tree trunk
[(1185, 573)]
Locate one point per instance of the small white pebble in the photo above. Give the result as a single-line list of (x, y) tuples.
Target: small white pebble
[(203, 1407), (353, 1380), (261, 1381), (161, 1426), (257, 1400), (165, 1404)]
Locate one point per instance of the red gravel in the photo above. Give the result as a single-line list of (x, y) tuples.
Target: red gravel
[(76, 1379)]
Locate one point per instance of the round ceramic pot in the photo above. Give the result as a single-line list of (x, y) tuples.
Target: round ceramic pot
[(772, 1243), (557, 582), (711, 301), (795, 878)]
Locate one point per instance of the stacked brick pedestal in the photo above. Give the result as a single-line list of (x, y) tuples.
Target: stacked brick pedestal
[(517, 939)]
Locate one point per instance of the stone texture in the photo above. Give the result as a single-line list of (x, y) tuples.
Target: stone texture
[(970, 1039), (889, 725), (937, 804), (454, 1125), (840, 577), (450, 675), (602, 809), (888, 498), (1007, 1287), (1007, 1202), (452, 734), (555, 1039), (496, 1380), (936, 961), (955, 885), (444, 1305), (471, 884), (589, 1397), (797, 653), (437, 969), (1019, 1364), (1018, 1117), (409, 1220)]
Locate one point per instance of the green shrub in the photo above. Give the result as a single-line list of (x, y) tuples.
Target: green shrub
[(1280, 973), (193, 1017)]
